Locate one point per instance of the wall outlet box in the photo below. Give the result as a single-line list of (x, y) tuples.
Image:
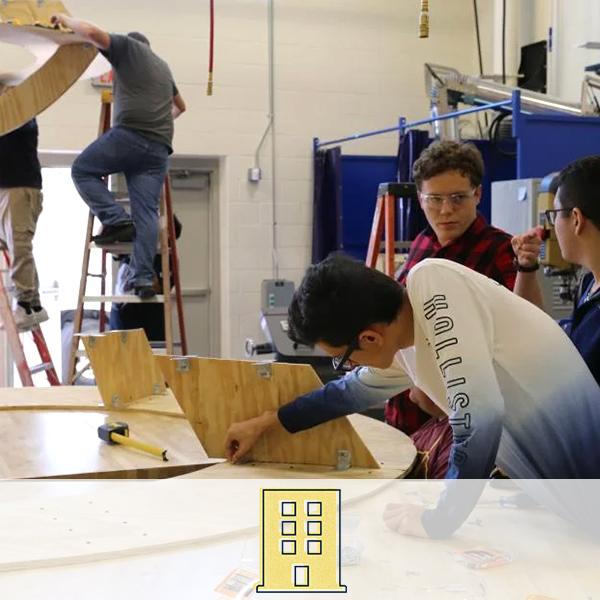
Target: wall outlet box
[(254, 174)]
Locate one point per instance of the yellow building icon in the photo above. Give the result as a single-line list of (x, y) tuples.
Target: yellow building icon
[(300, 538)]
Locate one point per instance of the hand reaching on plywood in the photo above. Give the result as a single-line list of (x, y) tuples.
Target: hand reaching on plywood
[(90, 32), (242, 436)]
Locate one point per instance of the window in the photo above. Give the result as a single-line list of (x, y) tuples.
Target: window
[(314, 509), (288, 509), (288, 527), (314, 547), (314, 528), (288, 546)]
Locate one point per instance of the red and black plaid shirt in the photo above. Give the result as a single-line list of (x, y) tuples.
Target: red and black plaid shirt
[(481, 247)]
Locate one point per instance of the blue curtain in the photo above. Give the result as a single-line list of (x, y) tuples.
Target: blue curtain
[(411, 219), (327, 203)]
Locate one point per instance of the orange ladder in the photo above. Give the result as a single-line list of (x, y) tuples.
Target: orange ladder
[(384, 221)]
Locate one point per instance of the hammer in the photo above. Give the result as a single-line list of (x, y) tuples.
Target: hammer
[(117, 432)]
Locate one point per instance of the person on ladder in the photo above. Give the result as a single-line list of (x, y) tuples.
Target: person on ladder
[(146, 101), (148, 316), (20, 208)]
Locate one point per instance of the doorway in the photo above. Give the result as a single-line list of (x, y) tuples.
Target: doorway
[(58, 251)]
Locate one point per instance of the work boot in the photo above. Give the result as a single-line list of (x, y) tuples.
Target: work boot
[(145, 292), (39, 314), (112, 234), (23, 316)]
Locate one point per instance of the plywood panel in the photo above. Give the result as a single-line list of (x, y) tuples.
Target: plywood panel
[(61, 58), (392, 449), (30, 12), (51, 432), (215, 393), (46, 85), (83, 397), (65, 443), (124, 366), (72, 523)]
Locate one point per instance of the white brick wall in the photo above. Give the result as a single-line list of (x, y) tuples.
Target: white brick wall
[(342, 66)]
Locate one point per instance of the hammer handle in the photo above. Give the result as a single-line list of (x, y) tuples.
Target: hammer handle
[(117, 438)]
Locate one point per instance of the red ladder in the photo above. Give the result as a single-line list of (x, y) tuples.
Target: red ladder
[(16, 347)]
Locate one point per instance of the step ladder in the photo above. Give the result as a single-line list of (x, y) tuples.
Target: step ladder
[(384, 224), (26, 372), (169, 259)]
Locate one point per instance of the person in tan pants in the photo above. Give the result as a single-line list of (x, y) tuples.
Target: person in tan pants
[(20, 208)]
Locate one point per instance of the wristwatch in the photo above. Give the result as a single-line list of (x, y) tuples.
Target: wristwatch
[(530, 269)]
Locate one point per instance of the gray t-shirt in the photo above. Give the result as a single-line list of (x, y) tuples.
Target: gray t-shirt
[(143, 89)]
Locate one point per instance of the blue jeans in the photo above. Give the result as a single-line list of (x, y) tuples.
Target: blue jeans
[(144, 164)]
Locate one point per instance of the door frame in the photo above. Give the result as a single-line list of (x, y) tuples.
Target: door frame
[(211, 166)]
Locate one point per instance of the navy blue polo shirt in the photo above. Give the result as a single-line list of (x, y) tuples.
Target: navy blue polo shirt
[(584, 326)]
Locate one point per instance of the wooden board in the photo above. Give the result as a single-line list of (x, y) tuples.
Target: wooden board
[(72, 523), (52, 433), (86, 533), (124, 366), (33, 421), (393, 450), (65, 443), (30, 12), (61, 58), (82, 398), (215, 393), (46, 85)]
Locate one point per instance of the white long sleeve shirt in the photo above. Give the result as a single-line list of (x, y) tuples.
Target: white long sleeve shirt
[(517, 392)]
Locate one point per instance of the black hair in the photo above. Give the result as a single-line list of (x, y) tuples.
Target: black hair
[(140, 37), (340, 297), (579, 184), (449, 155)]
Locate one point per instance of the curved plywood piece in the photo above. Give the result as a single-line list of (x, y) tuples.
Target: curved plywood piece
[(215, 393), (124, 366), (29, 12), (72, 524), (64, 443), (61, 58), (81, 398), (51, 432), (43, 416), (46, 85), (392, 449)]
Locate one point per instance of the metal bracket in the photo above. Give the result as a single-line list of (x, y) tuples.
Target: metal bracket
[(182, 365), (116, 401), (344, 460), (124, 336), (91, 341), (264, 369), (156, 389)]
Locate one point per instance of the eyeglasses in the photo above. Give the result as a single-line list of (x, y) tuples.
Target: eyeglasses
[(456, 199), (342, 361), (551, 214)]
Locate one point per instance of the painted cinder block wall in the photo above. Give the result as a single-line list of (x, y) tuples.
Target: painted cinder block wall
[(341, 66)]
